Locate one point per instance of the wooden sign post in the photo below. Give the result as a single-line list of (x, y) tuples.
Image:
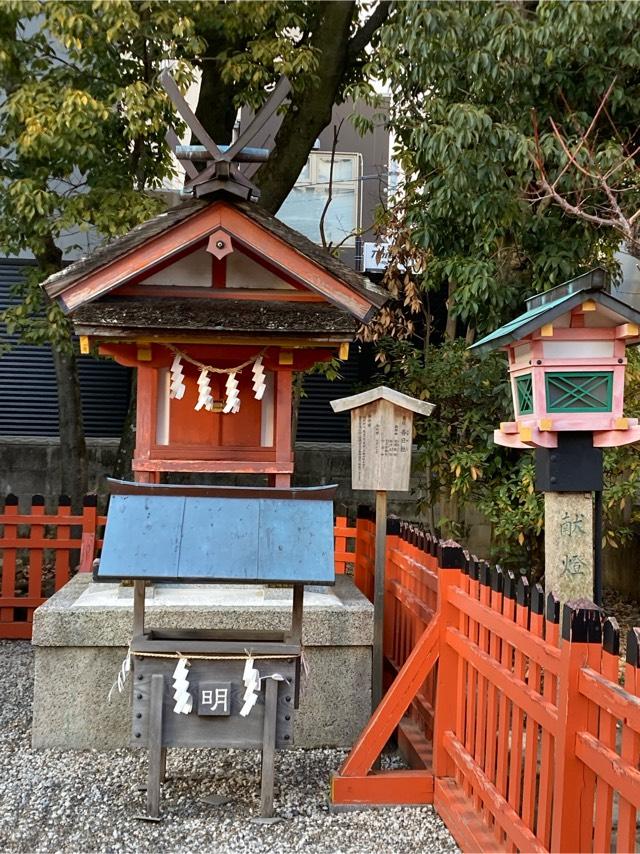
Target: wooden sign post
[(381, 434)]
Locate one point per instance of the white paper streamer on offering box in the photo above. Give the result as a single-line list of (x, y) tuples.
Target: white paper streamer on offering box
[(182, 695)]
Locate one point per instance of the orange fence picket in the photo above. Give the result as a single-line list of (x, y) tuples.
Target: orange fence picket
[(364, 572), (512, 718)]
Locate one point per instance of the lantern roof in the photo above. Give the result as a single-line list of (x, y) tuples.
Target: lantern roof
[(382, 392), (546, 307)]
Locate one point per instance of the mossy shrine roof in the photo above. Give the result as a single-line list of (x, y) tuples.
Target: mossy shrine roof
[(546, 307), (84, 288)]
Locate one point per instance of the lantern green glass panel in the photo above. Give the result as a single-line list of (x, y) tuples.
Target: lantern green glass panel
[(524, 392), (579, 391)]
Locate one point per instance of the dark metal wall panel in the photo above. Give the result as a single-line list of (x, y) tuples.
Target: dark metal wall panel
[(317, 422), (28, 394)]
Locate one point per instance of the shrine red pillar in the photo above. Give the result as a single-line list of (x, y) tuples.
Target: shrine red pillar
[(284, 413), (146, 405)]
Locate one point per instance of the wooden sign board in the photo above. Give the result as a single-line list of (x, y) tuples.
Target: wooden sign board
[(381, 436), (381, 433), (208, 726), (381, 447)]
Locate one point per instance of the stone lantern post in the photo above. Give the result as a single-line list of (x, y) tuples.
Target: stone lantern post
[(567, 366)]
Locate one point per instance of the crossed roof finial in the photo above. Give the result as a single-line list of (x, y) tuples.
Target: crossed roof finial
[(220, 169)]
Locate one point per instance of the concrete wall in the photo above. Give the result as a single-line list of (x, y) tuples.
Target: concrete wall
[(30, 466)]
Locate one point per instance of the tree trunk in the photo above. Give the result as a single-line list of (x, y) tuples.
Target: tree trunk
[(452, 320), (338, 51), (216, 110), (122, 468), (310, 111), (73, 448), (298, 383)]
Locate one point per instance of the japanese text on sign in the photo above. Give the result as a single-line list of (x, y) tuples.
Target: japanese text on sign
[(214, 698), (572, 527)]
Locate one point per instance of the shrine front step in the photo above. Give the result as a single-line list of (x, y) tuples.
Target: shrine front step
[(80, 638)]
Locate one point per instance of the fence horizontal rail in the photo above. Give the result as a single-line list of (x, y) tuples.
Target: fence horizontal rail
[(40, 549)]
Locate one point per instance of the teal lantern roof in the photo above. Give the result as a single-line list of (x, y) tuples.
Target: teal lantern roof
[(546, 307)]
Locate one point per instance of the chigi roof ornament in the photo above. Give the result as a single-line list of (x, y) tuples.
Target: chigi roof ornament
[(210, 167)]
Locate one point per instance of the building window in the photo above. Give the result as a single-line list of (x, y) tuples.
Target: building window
[(303, 206), (524, 388)]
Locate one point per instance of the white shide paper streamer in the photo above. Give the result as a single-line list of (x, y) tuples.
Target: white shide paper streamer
[(177, 387), (181, 695)]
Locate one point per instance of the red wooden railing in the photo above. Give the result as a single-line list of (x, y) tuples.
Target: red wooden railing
[(365, 551), (524, 740), (536, 745), (344, 545), (41, 550)]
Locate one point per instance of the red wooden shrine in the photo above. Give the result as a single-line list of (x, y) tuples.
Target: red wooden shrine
[(214, 289)]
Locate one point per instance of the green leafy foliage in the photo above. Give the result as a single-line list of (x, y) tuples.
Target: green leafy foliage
[(467, 79), (471, 82), (84, 119), (83, 127), (460, 462), (458, 457)]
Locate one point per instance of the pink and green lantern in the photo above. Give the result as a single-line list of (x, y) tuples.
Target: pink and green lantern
[(567, 365)]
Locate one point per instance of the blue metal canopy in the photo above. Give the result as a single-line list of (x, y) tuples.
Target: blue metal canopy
[(232, 534)]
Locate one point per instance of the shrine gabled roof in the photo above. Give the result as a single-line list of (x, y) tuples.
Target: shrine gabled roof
[(114, 317), (540, 315), (131, 247)]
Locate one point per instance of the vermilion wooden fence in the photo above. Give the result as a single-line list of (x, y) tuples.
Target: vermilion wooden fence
[(365, 551), (536, 745), (40, 551), (518, 732), (344, 545)]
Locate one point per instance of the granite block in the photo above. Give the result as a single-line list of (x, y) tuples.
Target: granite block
[(82, 633)]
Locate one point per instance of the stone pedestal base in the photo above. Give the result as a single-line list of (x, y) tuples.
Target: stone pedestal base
[(568, 545), (81, 634)]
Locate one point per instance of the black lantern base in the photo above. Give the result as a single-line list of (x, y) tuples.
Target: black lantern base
[(574, 466)]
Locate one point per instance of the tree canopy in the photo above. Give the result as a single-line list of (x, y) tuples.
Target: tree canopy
[(475, 87), (470, 81), (84, 118)]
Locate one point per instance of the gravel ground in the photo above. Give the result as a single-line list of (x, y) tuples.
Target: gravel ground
[(86, 801)]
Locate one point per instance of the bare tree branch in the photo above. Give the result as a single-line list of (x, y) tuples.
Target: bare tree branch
[(576, 210), (598, 200)]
